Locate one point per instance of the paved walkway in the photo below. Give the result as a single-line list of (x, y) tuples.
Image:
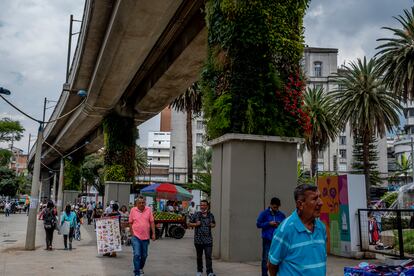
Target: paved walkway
[(167, 257)]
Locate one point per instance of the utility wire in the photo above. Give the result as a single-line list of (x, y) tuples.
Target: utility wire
[(39, 121)]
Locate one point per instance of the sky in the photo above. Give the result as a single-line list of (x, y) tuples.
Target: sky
[(34, 37)]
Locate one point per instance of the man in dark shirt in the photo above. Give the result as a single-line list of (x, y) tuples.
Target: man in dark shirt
[(202, 222)]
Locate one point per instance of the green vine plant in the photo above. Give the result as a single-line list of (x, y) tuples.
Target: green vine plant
[(252, 82)]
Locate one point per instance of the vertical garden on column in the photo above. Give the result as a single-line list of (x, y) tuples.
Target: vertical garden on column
[(120, 135), (252, 81)]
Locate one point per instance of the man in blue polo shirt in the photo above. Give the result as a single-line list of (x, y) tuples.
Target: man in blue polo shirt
[(268, 221), (299, 243)]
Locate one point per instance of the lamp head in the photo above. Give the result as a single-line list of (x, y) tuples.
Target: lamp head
[(82, 93), (4, 91)]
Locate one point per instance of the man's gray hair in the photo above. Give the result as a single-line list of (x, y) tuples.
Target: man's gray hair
[(301, 190), (139, 197)]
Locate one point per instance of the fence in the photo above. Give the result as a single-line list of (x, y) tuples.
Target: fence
[(387, 231)]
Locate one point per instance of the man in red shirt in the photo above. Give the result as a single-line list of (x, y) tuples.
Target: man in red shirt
[(141, 221)]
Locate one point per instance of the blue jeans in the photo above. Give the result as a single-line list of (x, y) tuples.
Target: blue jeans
[(140, 249), (265, 254)]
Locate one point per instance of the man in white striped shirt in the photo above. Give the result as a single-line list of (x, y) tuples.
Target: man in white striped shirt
[(299, 243)]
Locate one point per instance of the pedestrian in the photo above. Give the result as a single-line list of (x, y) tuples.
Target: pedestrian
[(268, 221), (79, 219), (192, 209), (68, 218), (7, 209), (89, 212), (141, 221), (108, 209), (124, 223), (299, 243), (203, 221), (49, 223)]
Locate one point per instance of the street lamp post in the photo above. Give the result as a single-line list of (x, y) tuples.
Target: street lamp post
[(34, 201), (150, 172), (173, 168)]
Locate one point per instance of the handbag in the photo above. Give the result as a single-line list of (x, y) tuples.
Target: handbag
[(65, 227)]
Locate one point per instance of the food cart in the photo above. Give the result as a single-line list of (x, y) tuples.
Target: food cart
[(175, 223)]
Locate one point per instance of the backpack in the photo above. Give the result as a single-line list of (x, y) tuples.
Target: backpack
[(49, 220)]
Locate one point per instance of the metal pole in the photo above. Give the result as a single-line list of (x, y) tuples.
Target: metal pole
[(60, 187), (34, 200), (150, 174), (44, 110), (412, 159), (400, 234), (28, 147), (69, 47), (173, 180), (54, 188)]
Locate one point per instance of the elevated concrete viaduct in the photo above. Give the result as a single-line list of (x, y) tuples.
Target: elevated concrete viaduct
[(133, 57)]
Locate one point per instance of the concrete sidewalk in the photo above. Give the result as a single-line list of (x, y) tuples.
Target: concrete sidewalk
[(167, 257)]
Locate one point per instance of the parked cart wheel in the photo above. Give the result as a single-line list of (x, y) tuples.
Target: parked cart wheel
[(178, 232)]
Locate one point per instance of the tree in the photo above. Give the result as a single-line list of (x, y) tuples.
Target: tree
[(202, 164), (403, 166), (8, 182), (364, 102), (92, 170), (358, 158), (189, 102), (318, 106), (10, 130), (396, 57), (5, 156), (140, 160)]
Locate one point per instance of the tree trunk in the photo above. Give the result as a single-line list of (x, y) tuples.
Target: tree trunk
[(189, 129), (314, 160), (366, 138)]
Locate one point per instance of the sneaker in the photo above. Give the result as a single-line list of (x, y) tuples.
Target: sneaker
[(141, 272), (199, 274), (211, 274)]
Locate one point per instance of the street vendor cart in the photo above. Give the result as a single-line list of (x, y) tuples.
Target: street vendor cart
[(175, 224)]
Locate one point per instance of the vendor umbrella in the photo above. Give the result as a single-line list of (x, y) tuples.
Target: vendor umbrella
[(167, 191)]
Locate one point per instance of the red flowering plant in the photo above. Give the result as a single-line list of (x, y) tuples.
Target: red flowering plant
[(291, 98)]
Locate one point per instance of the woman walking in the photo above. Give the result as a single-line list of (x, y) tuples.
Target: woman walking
[(49, 223), (69, 219)]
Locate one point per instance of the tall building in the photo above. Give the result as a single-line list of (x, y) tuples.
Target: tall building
[(18, 161), (320, 66), (178, 156)]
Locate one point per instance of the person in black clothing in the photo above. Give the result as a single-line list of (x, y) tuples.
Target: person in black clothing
[(202, 222), (49, 223)]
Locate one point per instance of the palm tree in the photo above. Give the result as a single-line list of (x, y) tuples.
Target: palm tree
[(403, 166), (318, 106), (364, 102), (189, 102), (202, 164), (140, 160), (396, 57)]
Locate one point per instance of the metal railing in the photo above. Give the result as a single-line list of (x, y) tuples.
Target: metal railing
[(387, 231)]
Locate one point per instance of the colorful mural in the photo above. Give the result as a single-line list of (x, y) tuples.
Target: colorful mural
[(335, 212)]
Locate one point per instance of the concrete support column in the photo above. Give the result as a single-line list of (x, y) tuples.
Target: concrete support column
[(120, 141), (248, 170)]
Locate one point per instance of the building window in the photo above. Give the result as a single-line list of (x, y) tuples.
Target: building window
[(411, 113), (342, 153), (318, 69), (342, 167), (159, 142), (200, 125), (318, 86), (320, 167), (177, 177), (159, 150), (320, 154), (199, 138), (159, 159), (342, 140)]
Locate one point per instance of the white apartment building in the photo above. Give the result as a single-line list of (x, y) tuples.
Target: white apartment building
[(178, 156), (320, 66), (158, 153)]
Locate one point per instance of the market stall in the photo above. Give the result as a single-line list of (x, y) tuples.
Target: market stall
[(174, 224)]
